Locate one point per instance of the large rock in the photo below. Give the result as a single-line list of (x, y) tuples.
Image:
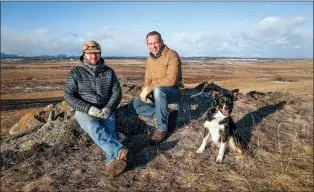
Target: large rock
[(36, 119), (29, 121)]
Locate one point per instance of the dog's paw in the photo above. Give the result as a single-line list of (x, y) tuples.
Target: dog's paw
[(240, 150), (219, 159), (200, 150)]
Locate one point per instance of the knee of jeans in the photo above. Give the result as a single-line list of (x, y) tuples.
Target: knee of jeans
[(88, 127), (157, 92), (133, 105), (112, 117)]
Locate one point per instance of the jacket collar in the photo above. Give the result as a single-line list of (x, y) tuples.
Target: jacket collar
[(163, 50)]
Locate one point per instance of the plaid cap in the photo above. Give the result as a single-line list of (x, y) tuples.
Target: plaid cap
[(91, 46)]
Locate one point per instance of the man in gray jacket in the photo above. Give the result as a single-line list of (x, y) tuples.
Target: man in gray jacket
[(94, 92)]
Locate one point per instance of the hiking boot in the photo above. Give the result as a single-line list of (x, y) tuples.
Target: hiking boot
[(115, 168), (158, 137), (125, 155)]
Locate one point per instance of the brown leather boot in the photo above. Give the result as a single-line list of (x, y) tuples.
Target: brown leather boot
[(158, 137), (115, 168), (125, 155)]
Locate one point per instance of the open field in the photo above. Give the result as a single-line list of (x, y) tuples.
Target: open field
[(280, 118)]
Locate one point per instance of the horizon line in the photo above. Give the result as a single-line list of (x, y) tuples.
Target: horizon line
[(12, 56)]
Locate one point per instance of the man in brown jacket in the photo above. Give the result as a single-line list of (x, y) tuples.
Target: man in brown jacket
[(163, 80)]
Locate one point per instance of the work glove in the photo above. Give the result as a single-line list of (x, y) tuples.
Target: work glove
[(105, 113), (146, 94), (93, 111)]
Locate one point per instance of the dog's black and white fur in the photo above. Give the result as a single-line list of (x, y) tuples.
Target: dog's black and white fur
[(219, 124)]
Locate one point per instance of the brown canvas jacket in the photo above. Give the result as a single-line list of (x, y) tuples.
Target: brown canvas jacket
[(165, 70)]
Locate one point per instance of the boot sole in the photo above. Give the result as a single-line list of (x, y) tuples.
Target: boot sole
[(116, 168)]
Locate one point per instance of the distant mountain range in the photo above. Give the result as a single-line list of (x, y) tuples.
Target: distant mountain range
[(62, 56), (13, 56)]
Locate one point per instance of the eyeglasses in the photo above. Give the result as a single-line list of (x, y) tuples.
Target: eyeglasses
[(90, 54)]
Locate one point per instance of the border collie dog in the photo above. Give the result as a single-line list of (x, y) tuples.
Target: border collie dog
[(219, 124)]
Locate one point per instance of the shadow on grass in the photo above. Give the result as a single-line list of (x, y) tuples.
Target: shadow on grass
[(136, 133), (250, 120), (193, 108), (146, 153), (7, 105)]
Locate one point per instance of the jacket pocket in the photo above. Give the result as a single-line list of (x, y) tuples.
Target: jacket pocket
[(164, 62)]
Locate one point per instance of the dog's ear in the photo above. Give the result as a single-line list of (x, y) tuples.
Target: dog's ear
[(234, 93)]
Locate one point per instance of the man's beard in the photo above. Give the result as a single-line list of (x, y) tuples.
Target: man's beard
[(91, 63)]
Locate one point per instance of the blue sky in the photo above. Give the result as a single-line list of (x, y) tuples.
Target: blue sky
[(243, 29)]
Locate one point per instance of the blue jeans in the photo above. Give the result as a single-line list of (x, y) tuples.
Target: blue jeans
[(159, 109), (103, 133)]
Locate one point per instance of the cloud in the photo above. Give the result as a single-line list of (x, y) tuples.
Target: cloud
[(279, 26), (101, 34), (43, 42), (38, 42), (285, 36), (130, 43), (268, 37)]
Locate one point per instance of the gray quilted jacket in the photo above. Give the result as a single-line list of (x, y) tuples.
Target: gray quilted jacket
[(86, 88)]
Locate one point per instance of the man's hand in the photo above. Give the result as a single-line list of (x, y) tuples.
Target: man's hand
[(93, 111), (105, 113), (144, 94), (147, 95)]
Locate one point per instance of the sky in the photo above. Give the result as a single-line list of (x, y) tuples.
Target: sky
[(214, 29)]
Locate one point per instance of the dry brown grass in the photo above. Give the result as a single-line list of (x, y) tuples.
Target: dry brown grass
[(277, 127)]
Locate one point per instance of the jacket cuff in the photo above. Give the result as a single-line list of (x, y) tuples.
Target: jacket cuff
[(107, 109)]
